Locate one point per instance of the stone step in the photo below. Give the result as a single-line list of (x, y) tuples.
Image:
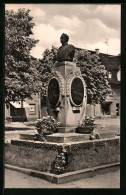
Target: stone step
[(67, 137), (58, 137)]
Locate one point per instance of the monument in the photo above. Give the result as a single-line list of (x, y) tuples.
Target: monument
[(70, 154), (66, 95)]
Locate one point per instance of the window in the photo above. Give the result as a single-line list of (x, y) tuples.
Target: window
[(109, 75), (32, 109), (117, 109)]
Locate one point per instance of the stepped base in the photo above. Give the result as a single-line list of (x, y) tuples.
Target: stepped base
[(67, 137), (59, 137), (41, 156), (68, 177), (25, 136)]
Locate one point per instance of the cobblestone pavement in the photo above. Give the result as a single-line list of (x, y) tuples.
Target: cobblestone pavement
[(14, 179)]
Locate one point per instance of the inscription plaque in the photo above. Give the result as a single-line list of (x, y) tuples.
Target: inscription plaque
[(77, 91), (53, 92)]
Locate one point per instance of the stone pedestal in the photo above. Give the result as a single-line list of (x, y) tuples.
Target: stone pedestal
[(67, 137), (66, 96), (83, 156), (58, 137)]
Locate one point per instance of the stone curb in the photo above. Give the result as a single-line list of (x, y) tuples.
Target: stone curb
[(67, 177)]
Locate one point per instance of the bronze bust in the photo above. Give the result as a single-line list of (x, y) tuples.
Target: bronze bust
[(65, 52)]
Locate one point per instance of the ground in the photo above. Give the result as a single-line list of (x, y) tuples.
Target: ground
[(14, 179)]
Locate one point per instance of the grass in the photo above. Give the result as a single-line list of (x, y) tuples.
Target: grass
[(98, 153), (29, 157), (86, 155)]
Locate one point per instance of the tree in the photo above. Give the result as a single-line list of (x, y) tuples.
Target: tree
[(92, 71), (25, 75), (21, 75), (94, 74), (45, 68)]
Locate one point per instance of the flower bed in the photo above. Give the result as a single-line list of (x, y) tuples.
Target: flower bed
[(45, 126), (87, 125)]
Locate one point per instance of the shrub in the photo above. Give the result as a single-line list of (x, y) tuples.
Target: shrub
[(47, 125), (60, 163), (88, 121)]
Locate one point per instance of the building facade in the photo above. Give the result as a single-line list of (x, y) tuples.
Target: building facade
[(111, 106), (29, 111)]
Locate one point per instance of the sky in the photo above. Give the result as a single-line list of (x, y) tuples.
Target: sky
[(87, 25)]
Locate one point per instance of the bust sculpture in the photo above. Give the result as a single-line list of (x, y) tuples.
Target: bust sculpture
[(65, 52)]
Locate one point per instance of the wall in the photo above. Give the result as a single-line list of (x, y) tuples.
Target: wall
[(90, 110), (93, 111), (31, 113), (81, 155), (31, 116), (7, 111), (115, 99)]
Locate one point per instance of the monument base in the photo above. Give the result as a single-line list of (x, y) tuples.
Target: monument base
[(66, 129), (67, 177), (41, 156), (59, 137), (67, 137)]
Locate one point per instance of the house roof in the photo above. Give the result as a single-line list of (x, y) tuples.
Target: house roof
[(110, 62)]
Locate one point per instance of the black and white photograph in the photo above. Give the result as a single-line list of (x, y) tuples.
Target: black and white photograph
[(62, 96)]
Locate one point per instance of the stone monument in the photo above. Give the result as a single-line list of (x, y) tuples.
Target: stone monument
[(66, 89), (69, 155)]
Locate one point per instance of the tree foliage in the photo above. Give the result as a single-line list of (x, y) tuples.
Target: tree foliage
[(45, 68), (92, 71), (94, 74), (20, 67), (25, 75)]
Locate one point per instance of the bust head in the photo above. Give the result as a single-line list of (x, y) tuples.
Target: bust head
[(64, 38), (65, 52)]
